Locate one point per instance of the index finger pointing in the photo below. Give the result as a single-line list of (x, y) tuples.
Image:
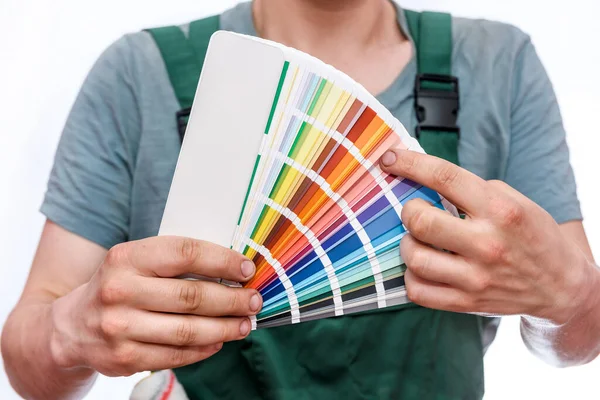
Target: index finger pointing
[(461, 187), (173, 256)]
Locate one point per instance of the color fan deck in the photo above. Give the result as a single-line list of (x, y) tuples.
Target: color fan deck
[(314, 211)]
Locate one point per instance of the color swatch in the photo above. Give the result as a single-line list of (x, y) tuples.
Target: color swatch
[(319, 218)]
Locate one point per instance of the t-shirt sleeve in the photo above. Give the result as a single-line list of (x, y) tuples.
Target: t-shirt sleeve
[(89, 188), (538, 163)]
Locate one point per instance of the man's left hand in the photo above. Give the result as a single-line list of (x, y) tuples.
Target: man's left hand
[(508, 256)]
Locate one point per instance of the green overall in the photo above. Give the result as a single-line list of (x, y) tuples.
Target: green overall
[(406, 352)]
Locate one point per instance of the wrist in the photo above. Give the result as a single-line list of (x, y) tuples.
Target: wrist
[(65, 346), (591, 305), (582, 297), (574, 339)]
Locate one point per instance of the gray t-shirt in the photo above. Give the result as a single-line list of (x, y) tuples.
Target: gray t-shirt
[(119, 148)]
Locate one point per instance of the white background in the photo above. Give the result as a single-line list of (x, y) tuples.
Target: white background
[(47, 47)]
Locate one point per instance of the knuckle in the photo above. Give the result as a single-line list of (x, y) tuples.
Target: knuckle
[(481, 283), (406, 246), (223, 333), (185, 334), (407, 212), (408, 253), (497, 183), (417, 261), (234, 302), (494, 251), (113, 291), (191, 296), (125, 357), (117, 255), (446, 175), (420, 222), (188, 250), (407, 163), (227, 257), (231, 262), (208, 353), (509, 213), (112, 327), (414, 292), (513, 215), (178, 357)]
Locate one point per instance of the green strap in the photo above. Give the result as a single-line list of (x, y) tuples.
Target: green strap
[(184, 58), (434, 43), (432, 34), (413, 20), (200, 34)]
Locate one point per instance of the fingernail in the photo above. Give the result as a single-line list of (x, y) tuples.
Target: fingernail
[(218, 346), (244, 327), (255, 303), (388, 158), (247, 268)]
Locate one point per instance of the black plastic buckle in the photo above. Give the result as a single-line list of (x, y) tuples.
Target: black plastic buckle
[(437, 109), (182, 117)]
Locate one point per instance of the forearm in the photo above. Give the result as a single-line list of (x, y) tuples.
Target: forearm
[(574, 342), (29, 362)]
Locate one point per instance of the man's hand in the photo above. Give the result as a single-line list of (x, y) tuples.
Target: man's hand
[(508, 256), (134, 316)]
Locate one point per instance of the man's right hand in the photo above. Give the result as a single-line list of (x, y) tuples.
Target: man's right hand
[(135, 315)]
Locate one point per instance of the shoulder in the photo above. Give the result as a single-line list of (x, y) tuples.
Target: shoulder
[(132, 65), (128, 55), (481, 41)]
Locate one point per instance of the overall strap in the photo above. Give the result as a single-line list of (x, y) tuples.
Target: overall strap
[(184, 59), (436, 90)]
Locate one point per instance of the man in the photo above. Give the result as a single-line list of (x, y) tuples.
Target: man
[(100, 298)]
